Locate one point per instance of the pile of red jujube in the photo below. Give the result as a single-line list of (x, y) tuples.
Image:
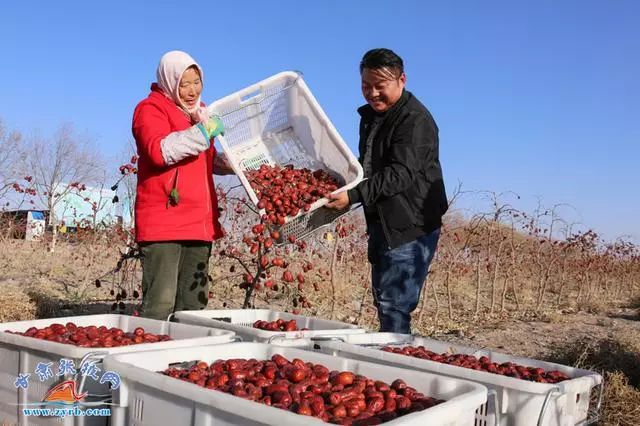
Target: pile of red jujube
[(92, 336), (308, 389), (278, 325), (483, 363), (285, 191)]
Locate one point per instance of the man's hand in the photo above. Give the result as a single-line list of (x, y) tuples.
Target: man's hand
[(339, 201), (221, 166)]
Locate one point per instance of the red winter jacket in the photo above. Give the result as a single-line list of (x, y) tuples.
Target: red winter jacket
[(195, 217)]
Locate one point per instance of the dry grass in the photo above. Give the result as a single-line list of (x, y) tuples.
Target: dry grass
[(596, 306), (618, 358), (634, 303), (621, 404), (15, 303), (35, 283), (553, 317)]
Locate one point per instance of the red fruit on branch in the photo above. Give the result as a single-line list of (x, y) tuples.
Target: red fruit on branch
[(258, 229), (287, 276)]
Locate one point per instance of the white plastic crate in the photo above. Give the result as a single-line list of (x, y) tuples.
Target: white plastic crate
[(241, 322), (279, 121), (512, 402), (152, 398), (21, 354)]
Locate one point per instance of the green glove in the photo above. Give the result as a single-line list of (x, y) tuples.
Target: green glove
[(212, 127)]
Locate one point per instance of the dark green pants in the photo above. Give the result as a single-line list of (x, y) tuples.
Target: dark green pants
[(174, 277)]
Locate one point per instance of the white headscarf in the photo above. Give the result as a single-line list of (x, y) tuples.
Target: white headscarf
[(172, 65)]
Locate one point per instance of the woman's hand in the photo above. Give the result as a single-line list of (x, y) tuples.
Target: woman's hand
[(212, 127)]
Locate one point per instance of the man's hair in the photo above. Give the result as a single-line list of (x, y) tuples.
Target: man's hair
[(382, 58)]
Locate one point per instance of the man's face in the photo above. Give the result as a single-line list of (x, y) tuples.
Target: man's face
[(382, 87)]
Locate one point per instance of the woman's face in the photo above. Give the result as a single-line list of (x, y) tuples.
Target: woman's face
[(190, 87)]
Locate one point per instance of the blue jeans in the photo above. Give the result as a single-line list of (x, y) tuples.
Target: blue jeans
[(397, 276)]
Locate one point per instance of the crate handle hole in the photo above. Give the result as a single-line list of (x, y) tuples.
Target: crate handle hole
[(183, 364), (251, 95)]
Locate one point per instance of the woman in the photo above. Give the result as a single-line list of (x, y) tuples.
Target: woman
[(176, 209)]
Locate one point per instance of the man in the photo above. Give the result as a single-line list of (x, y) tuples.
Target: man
[(403, 193)]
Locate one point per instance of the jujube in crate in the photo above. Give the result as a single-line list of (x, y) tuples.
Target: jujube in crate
[(285, 191), (533, 374), (92, 336), (278, 325), (309, 389)]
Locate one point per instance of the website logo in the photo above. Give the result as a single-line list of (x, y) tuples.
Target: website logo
[(66, 398)]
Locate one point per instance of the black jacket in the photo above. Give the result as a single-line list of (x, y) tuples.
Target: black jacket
[(405, 187)]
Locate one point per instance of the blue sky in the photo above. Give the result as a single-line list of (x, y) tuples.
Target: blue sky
[(541, 98)]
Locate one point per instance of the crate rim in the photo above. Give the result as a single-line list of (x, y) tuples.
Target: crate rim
[(118, 362), (298, 79), (73, 351), (204, 315)]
